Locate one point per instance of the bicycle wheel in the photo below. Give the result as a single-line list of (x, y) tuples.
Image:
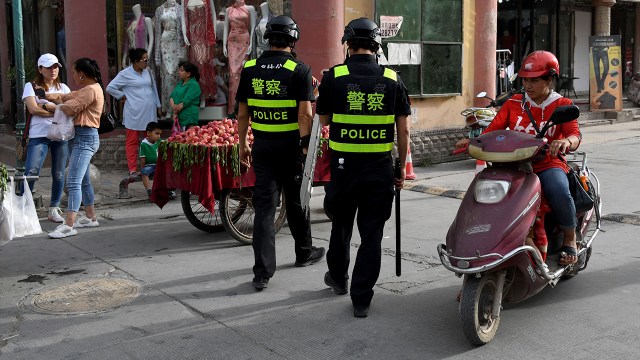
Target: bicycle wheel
[(198, 215), (237, 212)]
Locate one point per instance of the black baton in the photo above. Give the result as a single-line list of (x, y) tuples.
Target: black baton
[(398, 174)]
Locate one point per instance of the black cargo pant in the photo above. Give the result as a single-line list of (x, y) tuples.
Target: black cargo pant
[(365, 187), (276, 164)]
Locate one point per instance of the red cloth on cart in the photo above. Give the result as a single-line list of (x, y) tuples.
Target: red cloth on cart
[(322, 172), (208, 179)]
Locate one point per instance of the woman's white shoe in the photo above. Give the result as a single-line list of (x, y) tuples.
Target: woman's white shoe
[(55, 215), (62, 231), (83, 221)]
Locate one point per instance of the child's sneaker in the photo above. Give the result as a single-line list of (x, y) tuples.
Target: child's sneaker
[(62, 231), (83, 221), (149, 192), (55, 215), (172, 194)]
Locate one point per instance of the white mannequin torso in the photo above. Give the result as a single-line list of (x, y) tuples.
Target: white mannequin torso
[(194, 3), (261, 43), (131, 32)]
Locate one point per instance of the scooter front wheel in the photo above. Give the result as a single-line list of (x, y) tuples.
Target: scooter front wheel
[(476, 308)]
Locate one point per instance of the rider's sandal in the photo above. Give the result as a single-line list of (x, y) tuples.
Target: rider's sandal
[(568, 251)]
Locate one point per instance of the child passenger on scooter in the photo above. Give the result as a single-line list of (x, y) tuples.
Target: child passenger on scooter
[(539, 73)]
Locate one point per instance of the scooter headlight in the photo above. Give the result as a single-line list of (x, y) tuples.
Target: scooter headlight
[(491, 191)]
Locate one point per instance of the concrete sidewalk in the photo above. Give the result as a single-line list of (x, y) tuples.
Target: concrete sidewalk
[(106, 195), (446, 179), (449, 179)]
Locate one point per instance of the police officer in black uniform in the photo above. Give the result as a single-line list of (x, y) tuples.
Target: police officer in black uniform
[(275, 92), (364, 102)]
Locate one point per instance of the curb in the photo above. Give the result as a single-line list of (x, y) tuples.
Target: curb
[(43, 214), (631, 219), (435, 190)]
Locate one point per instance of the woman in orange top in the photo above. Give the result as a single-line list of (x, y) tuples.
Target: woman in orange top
[(85, 105)]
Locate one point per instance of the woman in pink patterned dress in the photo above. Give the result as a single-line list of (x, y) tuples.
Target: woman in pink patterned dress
[(239, 22)]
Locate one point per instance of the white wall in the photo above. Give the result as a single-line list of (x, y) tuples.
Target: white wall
[(581, 51)]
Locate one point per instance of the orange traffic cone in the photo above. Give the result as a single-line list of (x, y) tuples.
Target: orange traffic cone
[(409, 168), (480, 165)]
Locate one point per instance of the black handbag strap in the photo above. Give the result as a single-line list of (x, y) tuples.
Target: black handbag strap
[(531, 119), (27, 125), (27, 120)]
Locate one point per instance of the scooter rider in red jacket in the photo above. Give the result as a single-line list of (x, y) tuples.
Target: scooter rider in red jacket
[(539, 73)]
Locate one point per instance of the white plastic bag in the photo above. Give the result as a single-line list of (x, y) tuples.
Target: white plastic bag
[(62, 127), (21, 213), (6, 215)]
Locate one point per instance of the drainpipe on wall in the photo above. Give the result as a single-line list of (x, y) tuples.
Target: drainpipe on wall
[(18, 45), (636, 38), (4, 63)]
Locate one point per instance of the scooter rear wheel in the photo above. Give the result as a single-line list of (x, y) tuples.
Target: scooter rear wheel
[(476, 308)]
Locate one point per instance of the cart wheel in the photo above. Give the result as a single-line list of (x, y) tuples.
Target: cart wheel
[(237, 212), (198, 215)]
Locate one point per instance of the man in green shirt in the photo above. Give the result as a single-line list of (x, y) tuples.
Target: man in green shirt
[(185, 97)]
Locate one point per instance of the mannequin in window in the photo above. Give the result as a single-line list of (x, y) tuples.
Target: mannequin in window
[(171, 36), (139, 34), (239, 23), (276, 7), (262, 44), (201, 34)]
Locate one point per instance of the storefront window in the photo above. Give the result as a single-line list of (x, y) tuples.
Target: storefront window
[(623, 23), (166, 26), (427, 47)]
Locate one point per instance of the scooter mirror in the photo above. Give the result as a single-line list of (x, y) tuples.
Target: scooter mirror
[(481, 94), (563, 114)]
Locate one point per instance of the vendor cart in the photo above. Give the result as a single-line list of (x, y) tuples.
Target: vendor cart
[(215, 194)]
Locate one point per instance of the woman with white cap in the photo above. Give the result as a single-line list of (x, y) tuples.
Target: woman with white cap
[(41, 110)]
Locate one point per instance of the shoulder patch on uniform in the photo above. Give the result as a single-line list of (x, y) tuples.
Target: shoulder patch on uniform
[(340, 70), (290, 65), (250, 63), (390, 74)]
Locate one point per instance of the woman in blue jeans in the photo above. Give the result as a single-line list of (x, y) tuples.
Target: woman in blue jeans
[(85, 105), (41, 110)]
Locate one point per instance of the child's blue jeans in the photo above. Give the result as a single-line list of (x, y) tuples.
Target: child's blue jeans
[(148, 170)]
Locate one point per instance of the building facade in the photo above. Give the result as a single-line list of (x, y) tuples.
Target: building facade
[(446, 50)]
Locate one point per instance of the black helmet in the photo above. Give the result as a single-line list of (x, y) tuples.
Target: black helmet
[(364, 29), (282, 25)]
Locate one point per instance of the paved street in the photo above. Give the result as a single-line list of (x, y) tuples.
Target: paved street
[(197, 302)]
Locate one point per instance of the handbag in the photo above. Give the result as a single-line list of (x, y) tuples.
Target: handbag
[(582, 198), (62, 127), (23, 143), (107, 121), (175, 128)]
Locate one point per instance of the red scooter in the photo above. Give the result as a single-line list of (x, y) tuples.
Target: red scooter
[(490, 241)]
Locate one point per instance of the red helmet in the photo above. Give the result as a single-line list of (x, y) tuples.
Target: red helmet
[(539, 63)]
